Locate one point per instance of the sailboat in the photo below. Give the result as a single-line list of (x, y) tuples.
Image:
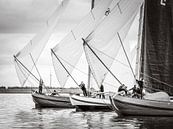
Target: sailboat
[(154, 63), (26, 59), (67, 53), (83, 103), (99, 30)]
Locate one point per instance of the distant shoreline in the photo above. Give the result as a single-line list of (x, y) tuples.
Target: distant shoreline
[(27, 90)]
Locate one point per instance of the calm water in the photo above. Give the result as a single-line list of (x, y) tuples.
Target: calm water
[(17, 111)]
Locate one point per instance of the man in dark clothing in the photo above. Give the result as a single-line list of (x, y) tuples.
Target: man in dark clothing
[(140, 83), (54, 92), (102, 90), (40, 86), (123, 88), (82, 86), (135, 92)]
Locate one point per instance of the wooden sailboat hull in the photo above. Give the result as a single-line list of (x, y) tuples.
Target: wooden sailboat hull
[(90, 104), (49, 101), (142, 107)]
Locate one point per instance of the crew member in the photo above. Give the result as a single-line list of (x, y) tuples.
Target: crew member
[(102, 90), (122, 89), (82, 86), (40, 86)]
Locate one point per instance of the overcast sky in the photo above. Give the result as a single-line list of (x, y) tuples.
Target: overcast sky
[(21, 19)]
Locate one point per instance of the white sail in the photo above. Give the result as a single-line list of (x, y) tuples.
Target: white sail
[(35, 47), (118, 20), (70, 49)]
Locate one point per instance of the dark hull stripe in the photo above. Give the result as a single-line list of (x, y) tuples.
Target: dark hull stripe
[(46, 105), (93, 108), (50, 99), (103, 104), (143, 106)]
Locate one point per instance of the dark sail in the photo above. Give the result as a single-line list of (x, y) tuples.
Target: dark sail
[(157, 45)]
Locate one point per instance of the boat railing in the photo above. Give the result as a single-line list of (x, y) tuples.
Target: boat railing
[(98, 93)]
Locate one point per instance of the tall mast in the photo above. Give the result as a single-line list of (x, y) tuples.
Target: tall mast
[(138, 56), (35, 66), (89, 69), (92, 4), (50, 78)]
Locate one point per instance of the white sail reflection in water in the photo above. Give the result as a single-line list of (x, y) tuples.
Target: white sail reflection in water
[(35, 47)]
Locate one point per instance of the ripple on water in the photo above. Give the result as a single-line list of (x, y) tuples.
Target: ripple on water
[(17, 111)]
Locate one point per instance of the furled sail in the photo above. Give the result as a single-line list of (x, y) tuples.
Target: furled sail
[(24, 59), (104, 39), (70, 49), (157, 46)]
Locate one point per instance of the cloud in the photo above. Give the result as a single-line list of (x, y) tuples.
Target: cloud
[(8, 77), (29, 16), (20, 20)]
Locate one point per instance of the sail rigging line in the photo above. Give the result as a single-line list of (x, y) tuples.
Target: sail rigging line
[(89, 69), (73, 34), (92, 15), (39, 73), (16, 59), (35, 65), (50, 78), (106, 14), (93, 72), (126, 56), (157, 80), (72, 66), (110, 57), (84, 73), (20, 68), (64, 67), (85, 43), (39, 41), (158, 90), (119, 7)]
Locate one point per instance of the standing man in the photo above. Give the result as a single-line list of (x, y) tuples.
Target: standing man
[(82, 86), (102, 90), (141, 86), (40, 86)]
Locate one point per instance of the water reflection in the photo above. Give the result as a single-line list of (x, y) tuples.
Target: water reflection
[(70, 119), (92, 120), (16, 111), (141, 122), (25, 119)]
